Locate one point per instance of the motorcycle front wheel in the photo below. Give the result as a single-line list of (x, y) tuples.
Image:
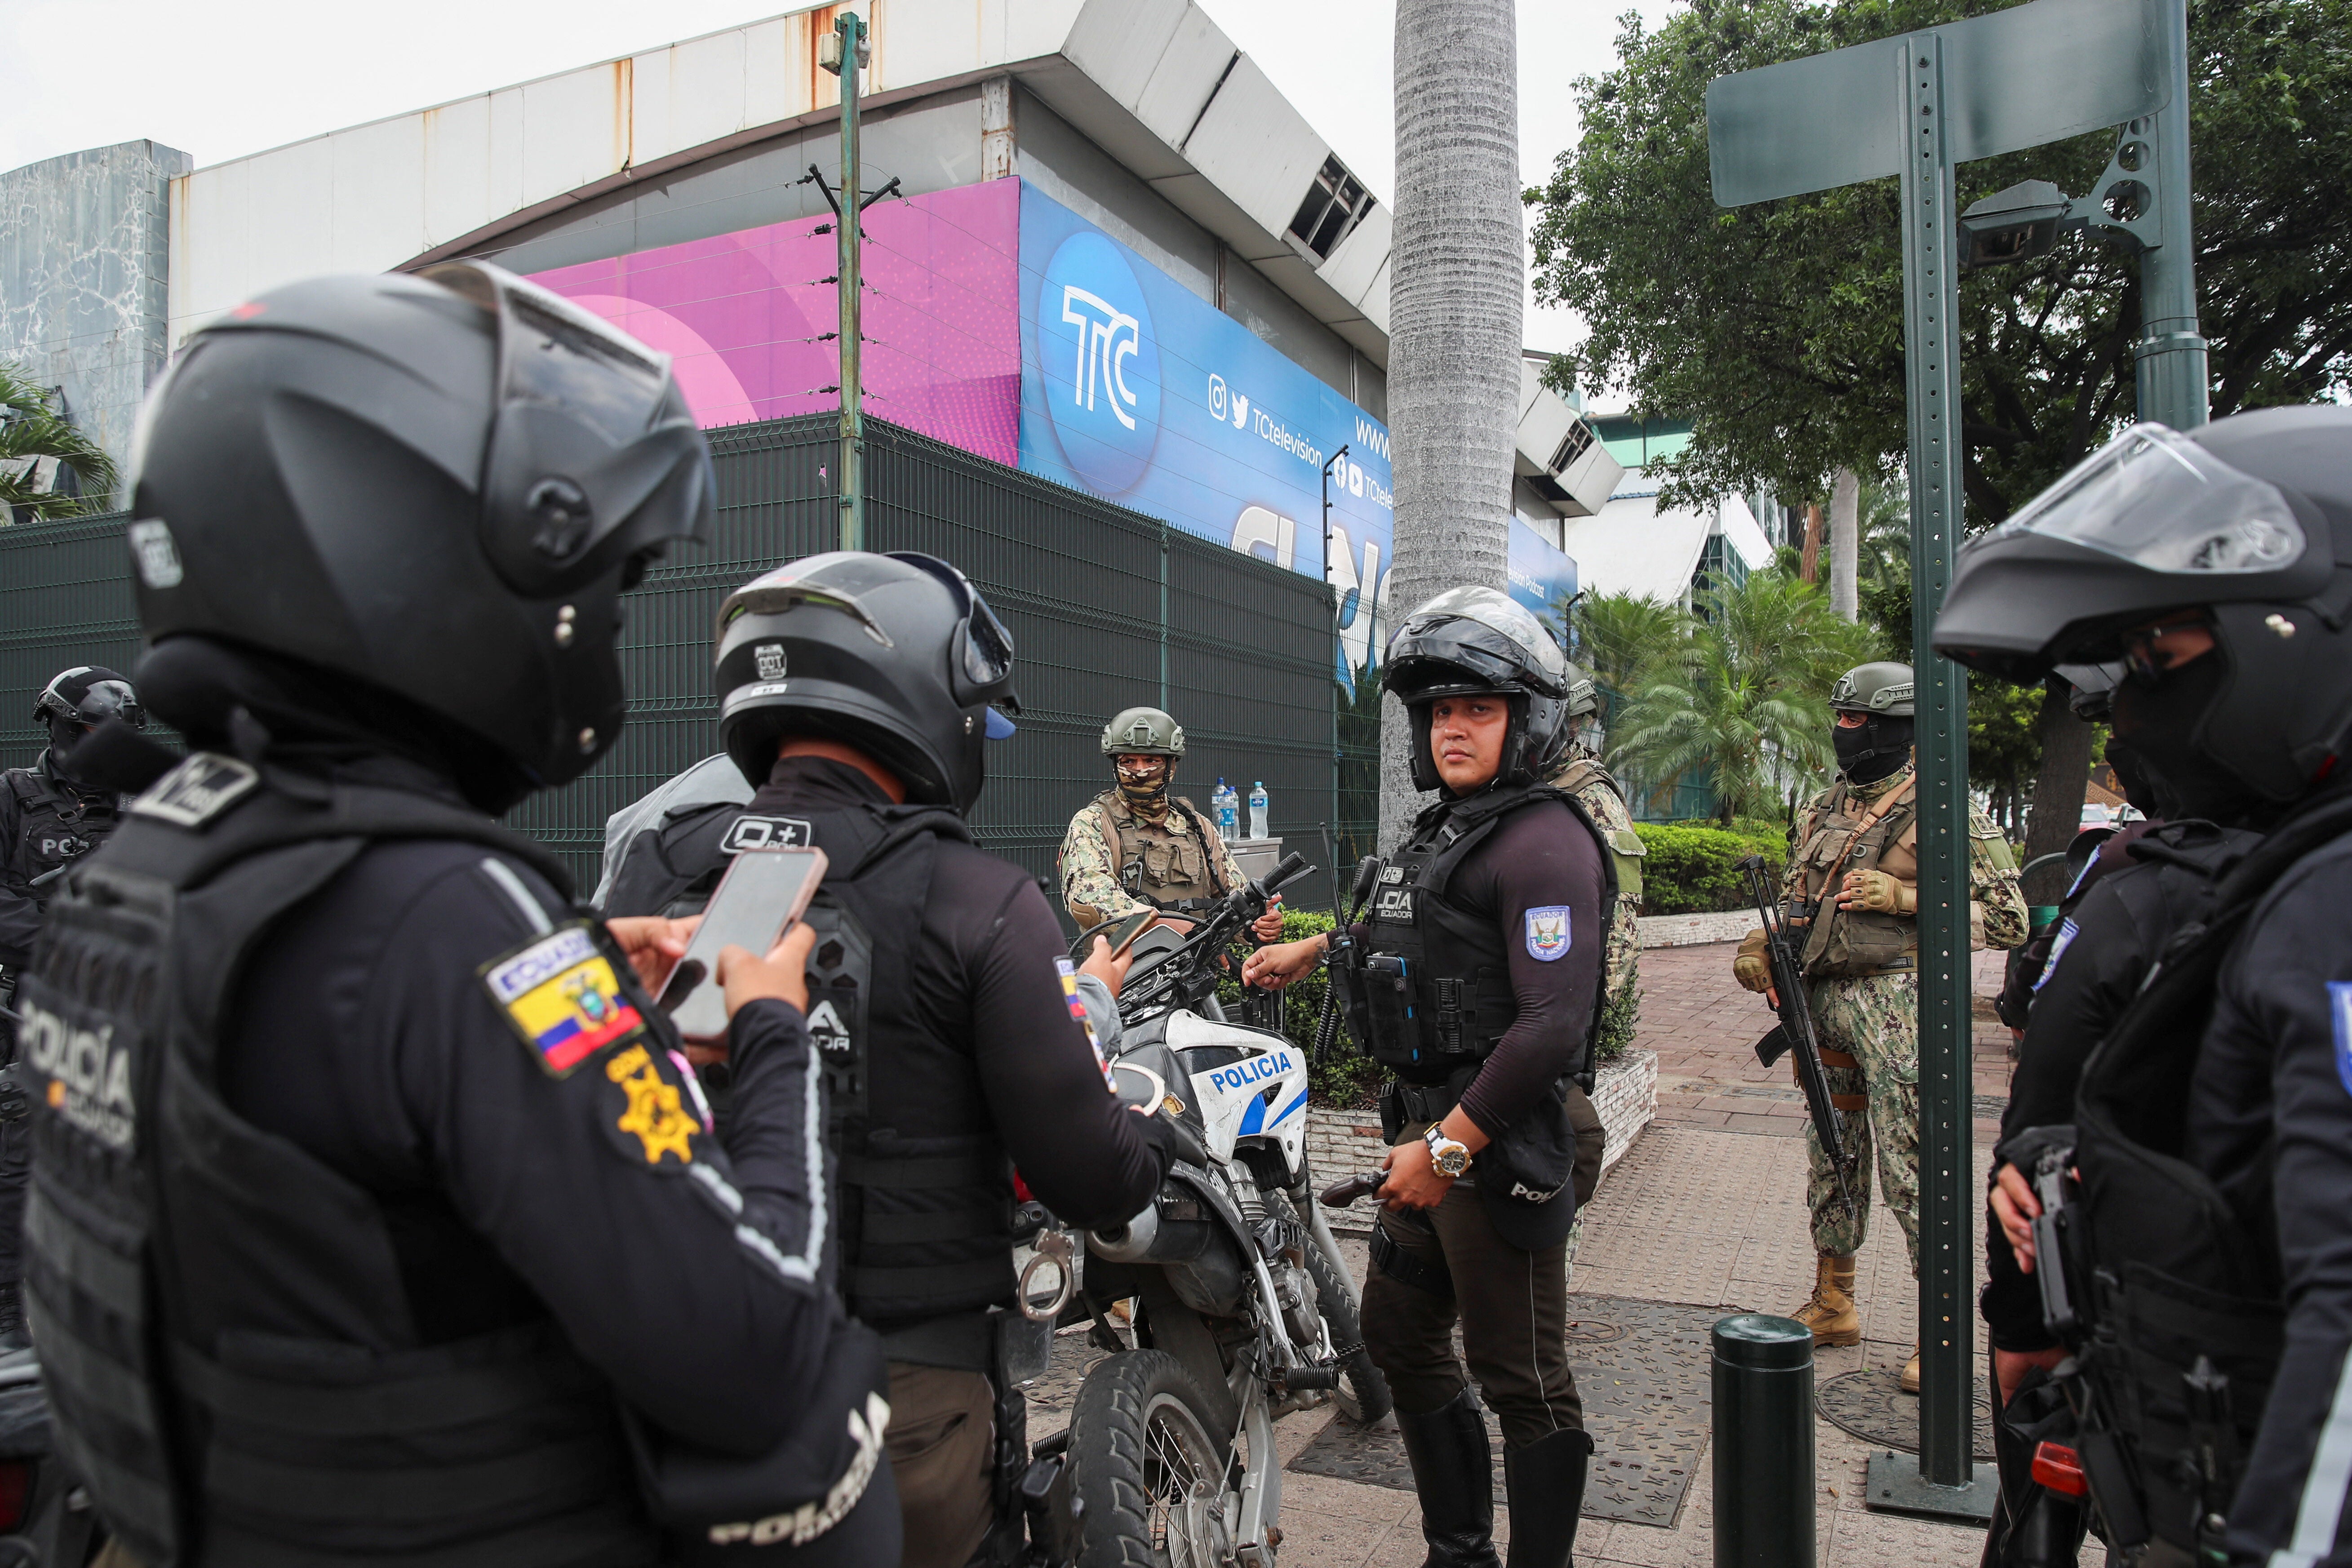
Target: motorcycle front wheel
[(1154, 1480)]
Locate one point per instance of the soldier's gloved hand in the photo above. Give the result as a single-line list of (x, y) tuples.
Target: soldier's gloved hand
[(1878, 893), (1749, 968)]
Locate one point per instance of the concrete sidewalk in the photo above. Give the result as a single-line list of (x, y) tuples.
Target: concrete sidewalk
[(1706, 1209)]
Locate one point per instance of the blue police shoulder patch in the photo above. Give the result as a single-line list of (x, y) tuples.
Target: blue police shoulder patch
[(2339, 1011), (1549, 933)]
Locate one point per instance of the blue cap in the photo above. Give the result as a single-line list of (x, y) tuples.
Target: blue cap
[(1000, 728)]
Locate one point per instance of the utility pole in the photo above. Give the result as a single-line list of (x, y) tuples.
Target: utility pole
[(842, 54)]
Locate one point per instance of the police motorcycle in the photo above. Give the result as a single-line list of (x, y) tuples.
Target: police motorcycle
[(1245, 1311)]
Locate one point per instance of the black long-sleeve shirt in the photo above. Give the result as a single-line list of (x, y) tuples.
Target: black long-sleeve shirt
[(689, 1272), (983, 951)]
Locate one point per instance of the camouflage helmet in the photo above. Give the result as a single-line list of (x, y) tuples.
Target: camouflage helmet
[(1874, 689), (1583, 696), (1143, 733)]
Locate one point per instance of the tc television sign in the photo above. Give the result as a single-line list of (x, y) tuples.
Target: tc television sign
[(1135, 388)]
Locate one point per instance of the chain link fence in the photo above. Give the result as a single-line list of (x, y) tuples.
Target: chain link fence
[(1107, 608)]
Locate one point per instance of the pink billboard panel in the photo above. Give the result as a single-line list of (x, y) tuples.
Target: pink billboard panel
[(748, 316)]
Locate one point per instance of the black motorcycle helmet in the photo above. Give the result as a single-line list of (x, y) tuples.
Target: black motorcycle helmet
[(2247, 522), (896, 655), (2091, 693), (434, 487), (1481, 639), (85, 697)]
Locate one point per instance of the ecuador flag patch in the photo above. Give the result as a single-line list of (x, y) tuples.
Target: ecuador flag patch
[(561, 995)]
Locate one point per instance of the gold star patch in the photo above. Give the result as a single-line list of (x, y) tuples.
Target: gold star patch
[(655, 1113)]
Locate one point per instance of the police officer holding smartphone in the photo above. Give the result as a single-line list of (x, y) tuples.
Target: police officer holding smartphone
[(1479, 986), (374, 1216)]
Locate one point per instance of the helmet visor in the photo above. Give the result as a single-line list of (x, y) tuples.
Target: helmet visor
[(1488, 634), (112, 699), (2166, 504)]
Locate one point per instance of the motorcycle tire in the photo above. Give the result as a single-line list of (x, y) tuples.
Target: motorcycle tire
[(1145, 1463), (1364, 1396)]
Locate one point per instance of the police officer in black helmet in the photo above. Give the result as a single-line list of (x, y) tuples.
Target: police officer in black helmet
[(1482, 984), (48, 818), (2206, 1168), (374, 1217), (858, 693)]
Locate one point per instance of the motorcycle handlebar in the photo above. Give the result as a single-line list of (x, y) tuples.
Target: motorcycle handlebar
[(1293, 866)]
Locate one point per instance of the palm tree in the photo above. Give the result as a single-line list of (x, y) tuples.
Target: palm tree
[(77, 475), (1742, 694), (1453, 317)]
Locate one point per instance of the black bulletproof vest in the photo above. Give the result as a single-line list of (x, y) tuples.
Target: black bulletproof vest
[(2166, 1271), (1434, 994), (211, 1303), (55, 826), (924, 1224)]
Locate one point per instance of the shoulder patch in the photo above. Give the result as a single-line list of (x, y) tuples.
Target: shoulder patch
[(2339, 1012), (1549, 932), (560, 996), (651, 1108), (198, 790), (2064, 940), (1078, 1004), (767, 832)]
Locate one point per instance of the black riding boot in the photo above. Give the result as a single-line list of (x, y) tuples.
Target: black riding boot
[(1454, 1471), (1544, 1483)]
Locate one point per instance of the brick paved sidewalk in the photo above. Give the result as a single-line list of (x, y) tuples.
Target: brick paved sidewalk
[(1708, 1208)]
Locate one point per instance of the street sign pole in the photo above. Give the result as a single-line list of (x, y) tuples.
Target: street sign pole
[(1931, 359), (1996, 83), (2169, 361)]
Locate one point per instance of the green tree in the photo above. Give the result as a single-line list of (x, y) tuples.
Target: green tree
[(1616, 634), (1777, 330), (31, 430), (1742, 693)]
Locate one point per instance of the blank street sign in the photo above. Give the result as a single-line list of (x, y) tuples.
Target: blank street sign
[(2013, 79)]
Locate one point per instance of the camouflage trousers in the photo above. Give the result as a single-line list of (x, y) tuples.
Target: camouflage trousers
[(1875, 1020)]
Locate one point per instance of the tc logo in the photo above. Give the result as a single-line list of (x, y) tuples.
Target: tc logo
[(1099, 362)]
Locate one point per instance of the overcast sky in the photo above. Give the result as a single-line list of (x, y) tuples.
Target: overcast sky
[(221, 78)]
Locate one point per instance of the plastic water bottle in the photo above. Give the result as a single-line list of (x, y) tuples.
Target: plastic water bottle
[(1227, 806), (1257, 811)]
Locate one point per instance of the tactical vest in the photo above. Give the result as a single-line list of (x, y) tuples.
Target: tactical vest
[(1432, 994), (1839, 837), (1625, 846), (211, 1303), (924, 1225), (1171, 871), (2158, 1264), (55, 826)]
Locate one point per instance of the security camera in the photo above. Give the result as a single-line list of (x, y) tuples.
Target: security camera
[(2015, 225)]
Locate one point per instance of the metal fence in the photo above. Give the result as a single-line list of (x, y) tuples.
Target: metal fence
[(1107, 608)]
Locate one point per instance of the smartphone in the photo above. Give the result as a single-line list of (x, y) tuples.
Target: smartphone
[(1122, 936), (762, 894)]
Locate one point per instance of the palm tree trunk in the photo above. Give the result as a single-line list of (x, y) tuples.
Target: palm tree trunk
[(1845, 543), (1454, 319), (2059, 785)]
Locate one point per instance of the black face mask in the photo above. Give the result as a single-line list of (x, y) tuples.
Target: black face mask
[(1873, 749), (2143, 786), (2158, 721)]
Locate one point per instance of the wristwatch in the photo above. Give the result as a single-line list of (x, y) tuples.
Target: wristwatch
[(1450, 1156)]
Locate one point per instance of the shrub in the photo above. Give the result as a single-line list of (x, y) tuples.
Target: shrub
[(1691, 870), (1346, 1076)]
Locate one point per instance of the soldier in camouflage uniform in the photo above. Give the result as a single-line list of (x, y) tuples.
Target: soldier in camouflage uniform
[(1853, 889), (1136, 846)]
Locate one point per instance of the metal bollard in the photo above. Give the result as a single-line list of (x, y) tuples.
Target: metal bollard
[(1763, 1387)]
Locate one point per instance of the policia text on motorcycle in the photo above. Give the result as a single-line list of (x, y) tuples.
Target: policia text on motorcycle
[(1853, 889), (1135, 846), (950, 1051), (375, 1215), (50, 818), (1478, 986), (2190, 1225)]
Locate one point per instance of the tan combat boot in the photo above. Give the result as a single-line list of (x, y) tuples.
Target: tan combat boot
[(1831, 1314), (1911, 1369)]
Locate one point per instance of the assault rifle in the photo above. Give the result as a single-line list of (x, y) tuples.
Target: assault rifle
[(1796, 1027)]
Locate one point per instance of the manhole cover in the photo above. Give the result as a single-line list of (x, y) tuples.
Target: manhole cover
[(1593, 1332), (1871, 1403), (1641, 1370)]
